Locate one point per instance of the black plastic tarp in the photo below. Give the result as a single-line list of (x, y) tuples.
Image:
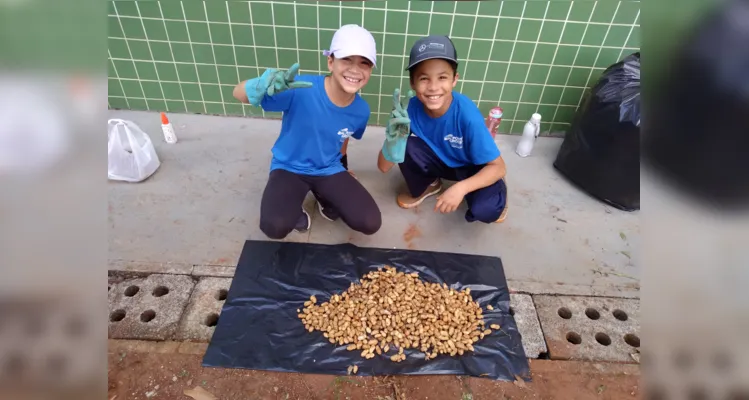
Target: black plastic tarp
[(259, 327), (601, 151)]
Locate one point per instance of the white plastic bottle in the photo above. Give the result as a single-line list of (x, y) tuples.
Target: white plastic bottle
[(530, 133), (166, 126)]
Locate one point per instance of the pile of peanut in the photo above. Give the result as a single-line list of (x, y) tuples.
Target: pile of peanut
[(391, 310)]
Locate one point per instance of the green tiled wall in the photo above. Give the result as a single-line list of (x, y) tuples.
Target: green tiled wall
[(526, 56)]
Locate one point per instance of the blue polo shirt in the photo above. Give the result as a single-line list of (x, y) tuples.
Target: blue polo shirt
[(459, 137), (313, 129)]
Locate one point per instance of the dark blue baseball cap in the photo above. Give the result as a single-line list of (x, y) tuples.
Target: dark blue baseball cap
[(430, 47)]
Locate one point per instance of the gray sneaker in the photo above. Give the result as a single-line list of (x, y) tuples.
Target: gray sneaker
[(303, 223)]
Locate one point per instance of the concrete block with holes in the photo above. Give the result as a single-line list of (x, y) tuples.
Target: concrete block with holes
[(522, 309), (203, 310), (590, 328), (148, 308)]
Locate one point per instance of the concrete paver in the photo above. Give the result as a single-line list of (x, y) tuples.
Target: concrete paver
[(148, 308), (204, 309), (590, 328), (204, 202), (524, 312)]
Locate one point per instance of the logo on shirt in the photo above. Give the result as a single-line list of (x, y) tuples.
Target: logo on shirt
[(456, 142), (344, 134)]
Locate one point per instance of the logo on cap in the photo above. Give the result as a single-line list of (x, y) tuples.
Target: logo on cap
[(422, 47)]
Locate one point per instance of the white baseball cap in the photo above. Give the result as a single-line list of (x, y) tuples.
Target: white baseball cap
[(353, 40)]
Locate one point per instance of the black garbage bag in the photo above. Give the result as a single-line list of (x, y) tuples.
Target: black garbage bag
[(601, 151), (696, 139)]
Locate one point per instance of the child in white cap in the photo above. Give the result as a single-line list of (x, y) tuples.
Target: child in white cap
[(320, 113)]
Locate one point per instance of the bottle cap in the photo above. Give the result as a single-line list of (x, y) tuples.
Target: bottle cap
[(536, 117), (164, 119)]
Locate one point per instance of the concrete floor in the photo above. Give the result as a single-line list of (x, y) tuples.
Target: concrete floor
[(204, 201)]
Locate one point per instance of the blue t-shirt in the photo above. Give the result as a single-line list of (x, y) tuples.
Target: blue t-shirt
[(459, 137), (313, 129)]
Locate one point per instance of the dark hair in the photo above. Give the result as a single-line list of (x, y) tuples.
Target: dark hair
[(412, 70)]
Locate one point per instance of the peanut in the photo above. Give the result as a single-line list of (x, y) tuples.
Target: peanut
[(393, 309)]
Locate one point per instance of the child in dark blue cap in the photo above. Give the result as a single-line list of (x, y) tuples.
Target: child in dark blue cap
[(441, 134)]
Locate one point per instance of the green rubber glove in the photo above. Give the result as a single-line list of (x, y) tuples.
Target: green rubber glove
[(398, 130), (271, 82)]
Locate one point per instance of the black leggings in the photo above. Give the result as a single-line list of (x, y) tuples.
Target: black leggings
[(284, 194)]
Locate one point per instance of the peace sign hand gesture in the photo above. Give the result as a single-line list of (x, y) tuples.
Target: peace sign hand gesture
[(281, 81), (397, 131), (272, 82)]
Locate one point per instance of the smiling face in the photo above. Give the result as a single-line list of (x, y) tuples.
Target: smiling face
[(350, 74), (433, 81)]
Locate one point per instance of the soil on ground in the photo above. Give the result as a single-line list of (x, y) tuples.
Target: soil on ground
[(139, 375)]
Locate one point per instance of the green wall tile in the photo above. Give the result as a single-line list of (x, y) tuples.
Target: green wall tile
[(467, 7), (171, 9), (529, 30), (286, 37), (558, 75), (418, 24), (617, 36), (203, 53), (485, 27), (558, 10), (211, 93), (223, 43), (537, 74), (114, 88), (264, 36), (507, 29), (463, 26), (351, 16), (177, 31), (217, 11), (581, 11), (146, 70), (480, 50), (595, 34), (604, 11), (490, 8), (438, 6), (172, 91), (523, 52), (552, 31), (118, 103), (531, 94), (513, 8), (196, 107), (474, 70), (167, 71), (193, 10), (220, 33), (551, 95), (138, 104), (573, 33), (139, 50), (283, 14), (421, 6), (161, 51), (131, 88), (152, 90), (535, 9), (132, 28), (198, 32), (627, 13), (155, 29), (544, 53)]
